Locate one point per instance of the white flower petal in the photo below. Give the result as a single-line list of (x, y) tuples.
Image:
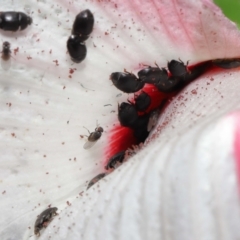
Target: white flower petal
[(43, 110)]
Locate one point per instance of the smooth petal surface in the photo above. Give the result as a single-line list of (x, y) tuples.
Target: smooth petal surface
[(46, 100)]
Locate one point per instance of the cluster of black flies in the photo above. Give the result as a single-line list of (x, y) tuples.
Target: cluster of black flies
[(134, 114), (177, 76)]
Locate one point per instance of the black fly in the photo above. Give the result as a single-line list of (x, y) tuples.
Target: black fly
[(96, 179), (93, 137), (43, 219), (115, 160), (6, 51)]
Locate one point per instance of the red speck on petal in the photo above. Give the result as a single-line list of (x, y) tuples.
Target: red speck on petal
[(72, 70), (15, 50), (56, 61)]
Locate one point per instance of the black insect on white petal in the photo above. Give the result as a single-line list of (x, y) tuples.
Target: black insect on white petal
[(13, 21), (115, 160), (83, 24), (6, 51), (227, 63), (96, 179), (93, 137), (43, 219), (127, 114)]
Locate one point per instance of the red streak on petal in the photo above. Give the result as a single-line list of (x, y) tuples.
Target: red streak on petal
[(156, 96), (120, 138)]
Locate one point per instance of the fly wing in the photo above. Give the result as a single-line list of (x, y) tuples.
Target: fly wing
[(88, 144), (152, 120)]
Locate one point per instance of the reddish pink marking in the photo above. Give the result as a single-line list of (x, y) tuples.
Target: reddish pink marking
[(120, 138), (156, 96), (237, 146), (16, 50)]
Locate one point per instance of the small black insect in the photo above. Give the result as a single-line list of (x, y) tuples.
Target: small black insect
[(115, 160), (181, 74), (127, 114), (6, 52), (168, 85), (96, 179), (178, 68), (13, 21), (93, 137), (196, 71), (140, 131), (152, 75), (126, 82), (43, 219), (83, 24), (227, 63), (76, 48), (142, 101)]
